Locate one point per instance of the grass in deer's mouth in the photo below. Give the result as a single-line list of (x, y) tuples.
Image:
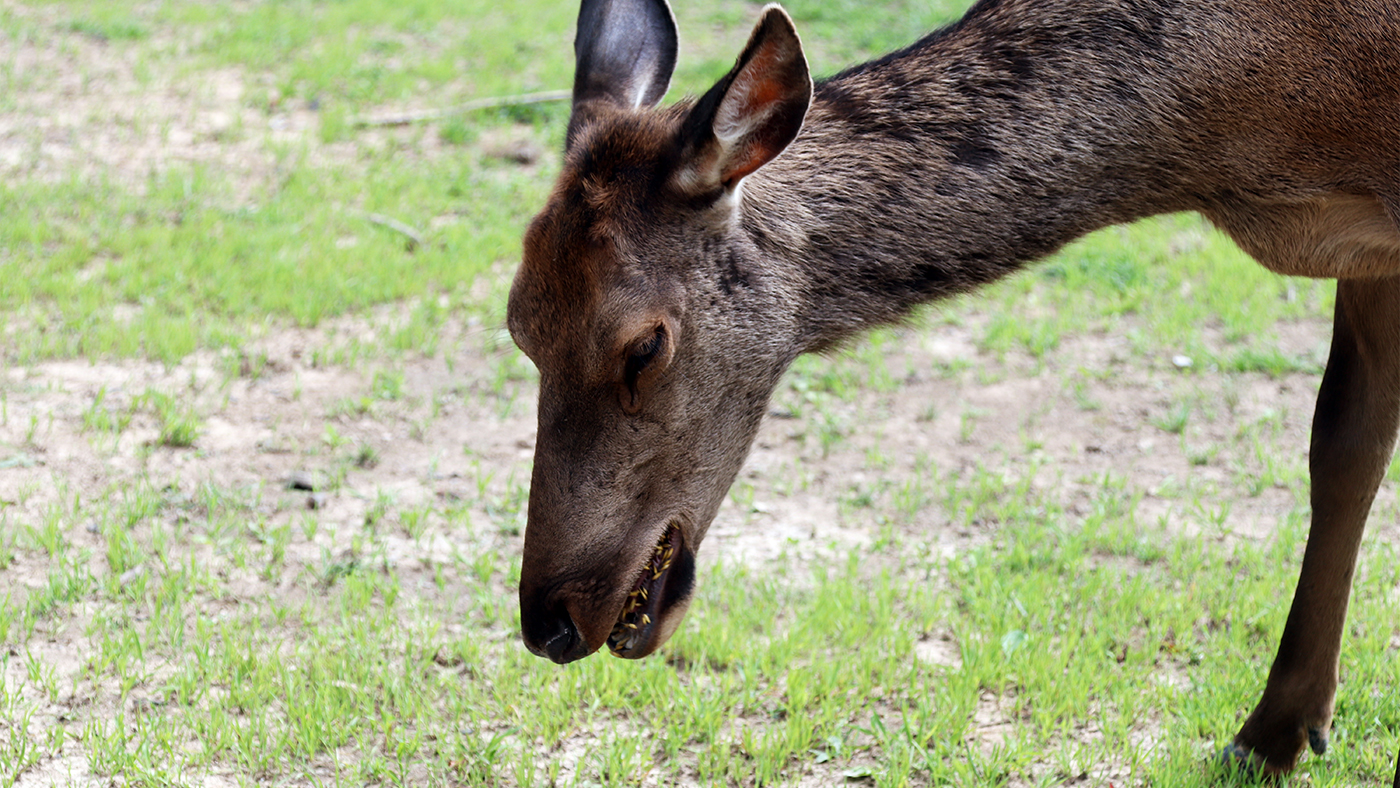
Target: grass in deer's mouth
[(642, 609)]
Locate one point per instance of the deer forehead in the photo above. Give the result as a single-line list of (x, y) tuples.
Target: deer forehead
[(617, 169), (575, 308), (594, 263)]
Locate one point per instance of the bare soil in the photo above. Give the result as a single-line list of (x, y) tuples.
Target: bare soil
[(459, 430)]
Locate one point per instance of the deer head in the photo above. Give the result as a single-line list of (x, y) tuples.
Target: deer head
[(657, 336)]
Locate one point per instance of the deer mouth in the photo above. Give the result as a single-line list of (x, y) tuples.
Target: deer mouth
[(653, 607)]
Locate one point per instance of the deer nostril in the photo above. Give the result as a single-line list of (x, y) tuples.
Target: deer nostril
[(550, 632), (562, 645)]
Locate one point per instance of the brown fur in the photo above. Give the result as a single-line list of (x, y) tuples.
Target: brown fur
[(733, 234)]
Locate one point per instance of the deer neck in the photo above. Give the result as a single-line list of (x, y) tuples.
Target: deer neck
[(951, 165)]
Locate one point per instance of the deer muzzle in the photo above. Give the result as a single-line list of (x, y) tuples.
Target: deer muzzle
[(566, 624)]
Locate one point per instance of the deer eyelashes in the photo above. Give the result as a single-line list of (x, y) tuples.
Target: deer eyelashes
[(643, 354), (646, 357)]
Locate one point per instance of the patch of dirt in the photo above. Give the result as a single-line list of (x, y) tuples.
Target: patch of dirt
[(93, 108), (1067, 433)]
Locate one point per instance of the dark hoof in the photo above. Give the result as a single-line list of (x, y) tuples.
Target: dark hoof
[(1237, 758), (1317, 740)]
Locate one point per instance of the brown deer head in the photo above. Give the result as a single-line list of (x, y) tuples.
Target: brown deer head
[(657, 339)]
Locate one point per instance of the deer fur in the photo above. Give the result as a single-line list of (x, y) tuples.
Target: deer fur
[(689, 253)]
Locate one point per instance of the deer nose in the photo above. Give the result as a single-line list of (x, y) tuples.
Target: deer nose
[(548, 631)]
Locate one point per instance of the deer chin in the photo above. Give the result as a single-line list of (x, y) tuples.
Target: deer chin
[(658, 599)]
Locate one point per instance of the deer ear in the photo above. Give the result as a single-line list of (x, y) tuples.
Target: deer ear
[(751, 115), (624, 53)]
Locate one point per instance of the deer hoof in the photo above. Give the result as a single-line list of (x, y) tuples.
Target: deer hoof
[(1250, 763), (1236, 757), (1317, 740)]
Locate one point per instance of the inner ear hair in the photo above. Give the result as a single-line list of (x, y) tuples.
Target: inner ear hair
[(751, 115)]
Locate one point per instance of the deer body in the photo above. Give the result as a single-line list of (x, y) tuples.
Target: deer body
[(689, 254), (959, 161)]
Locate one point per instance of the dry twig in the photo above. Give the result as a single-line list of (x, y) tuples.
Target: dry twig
[(415, 239)]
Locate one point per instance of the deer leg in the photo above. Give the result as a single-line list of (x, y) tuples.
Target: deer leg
[(1353, 436)]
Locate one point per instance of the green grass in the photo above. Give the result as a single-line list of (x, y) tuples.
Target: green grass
[(1095, 644), (1187, 286), (102, 272), (1012, 613)]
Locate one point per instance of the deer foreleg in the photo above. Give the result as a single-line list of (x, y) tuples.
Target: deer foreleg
[(1353, 436)]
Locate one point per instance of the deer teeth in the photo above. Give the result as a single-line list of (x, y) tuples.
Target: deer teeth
[(627, 632)]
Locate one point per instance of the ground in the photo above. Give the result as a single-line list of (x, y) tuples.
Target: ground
[(1042, 536)]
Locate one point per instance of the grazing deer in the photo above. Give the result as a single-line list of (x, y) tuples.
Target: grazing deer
[(689, 253)]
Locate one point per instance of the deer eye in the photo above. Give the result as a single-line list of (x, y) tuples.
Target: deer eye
[(643, 354)]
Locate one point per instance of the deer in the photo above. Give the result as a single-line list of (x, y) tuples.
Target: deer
[(689, 253)]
